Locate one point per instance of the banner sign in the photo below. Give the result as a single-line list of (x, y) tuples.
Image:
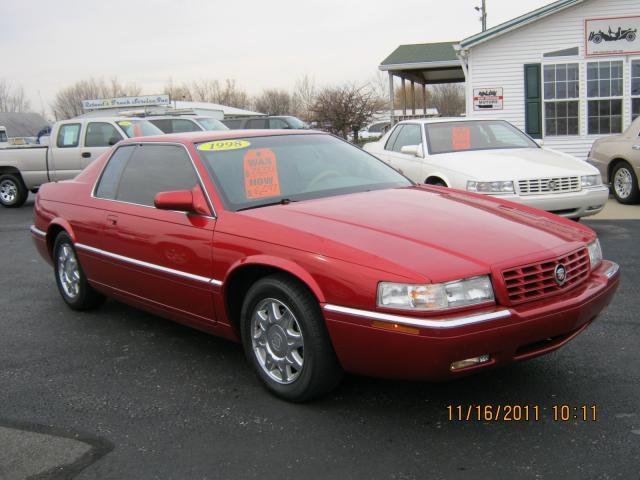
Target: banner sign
[(138, 101), (611, 36), (487, 98)]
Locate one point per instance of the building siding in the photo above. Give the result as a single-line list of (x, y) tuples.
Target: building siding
[(499, 62)]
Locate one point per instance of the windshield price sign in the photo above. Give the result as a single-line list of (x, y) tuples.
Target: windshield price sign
[(487, 98)]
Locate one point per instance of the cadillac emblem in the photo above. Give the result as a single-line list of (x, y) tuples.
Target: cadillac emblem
[(551, 185), (560, 274)]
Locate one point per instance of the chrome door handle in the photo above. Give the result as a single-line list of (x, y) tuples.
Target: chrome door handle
[(635, 147)]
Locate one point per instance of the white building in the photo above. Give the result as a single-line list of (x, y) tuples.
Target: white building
[(568, 72)]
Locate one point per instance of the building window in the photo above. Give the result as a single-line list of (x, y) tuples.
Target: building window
[(635, 89), (561, 87), (604, 90)]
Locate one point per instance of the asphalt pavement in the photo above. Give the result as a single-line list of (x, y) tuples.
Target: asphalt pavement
[(122, 394)]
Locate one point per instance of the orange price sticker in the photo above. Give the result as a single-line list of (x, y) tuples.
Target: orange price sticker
[(461, 138), (261, 174)]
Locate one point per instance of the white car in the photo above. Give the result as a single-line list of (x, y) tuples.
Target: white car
[(495, 158)]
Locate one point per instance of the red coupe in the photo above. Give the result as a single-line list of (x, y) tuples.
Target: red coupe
[(319, 258)]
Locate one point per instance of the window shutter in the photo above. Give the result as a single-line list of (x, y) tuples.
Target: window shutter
[(533, 100)]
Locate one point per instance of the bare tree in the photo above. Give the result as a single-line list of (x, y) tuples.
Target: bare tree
[(346, 108), (304, 97), (448, 98), (401, 100), (68, 101), (12, 99), (274, 102)]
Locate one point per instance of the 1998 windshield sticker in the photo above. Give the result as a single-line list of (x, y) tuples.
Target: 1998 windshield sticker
[(223, 145)]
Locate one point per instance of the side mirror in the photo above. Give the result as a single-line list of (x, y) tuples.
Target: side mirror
[(180, 200), (540, 142), (113, 141), (415, 150), (190, 201)]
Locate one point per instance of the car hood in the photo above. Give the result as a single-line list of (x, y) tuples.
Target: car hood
[(514, 164), (435, 233)]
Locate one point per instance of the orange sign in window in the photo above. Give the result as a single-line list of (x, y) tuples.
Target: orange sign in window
[(461, 138), (261, 174)]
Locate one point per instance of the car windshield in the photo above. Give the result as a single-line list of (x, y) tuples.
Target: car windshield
[(258, 171), (212, 124), (471, 135), (296, 123), (138, 128)]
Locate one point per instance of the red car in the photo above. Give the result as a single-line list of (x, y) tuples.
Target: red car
[(319, 258)]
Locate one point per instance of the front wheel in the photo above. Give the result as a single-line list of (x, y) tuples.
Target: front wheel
[(625, 184), (286, 340), (71, 280), (13, 193)]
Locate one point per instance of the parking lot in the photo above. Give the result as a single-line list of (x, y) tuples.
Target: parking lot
[(119, 393)]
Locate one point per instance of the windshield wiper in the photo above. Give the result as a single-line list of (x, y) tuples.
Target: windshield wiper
[(282, 201)]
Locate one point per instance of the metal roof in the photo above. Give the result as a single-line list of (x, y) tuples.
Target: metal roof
[(22, 124), (421, 55), (517, 22)]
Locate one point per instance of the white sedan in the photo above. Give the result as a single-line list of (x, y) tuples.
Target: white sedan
[(495, 158)]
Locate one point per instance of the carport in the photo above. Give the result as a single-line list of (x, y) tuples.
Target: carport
[(422, 64)]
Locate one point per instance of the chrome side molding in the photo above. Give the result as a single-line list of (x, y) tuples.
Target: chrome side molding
[(451, 322), (151, 266)]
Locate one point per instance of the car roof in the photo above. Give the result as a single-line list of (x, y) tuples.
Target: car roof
[(210, 135), (448, 119)]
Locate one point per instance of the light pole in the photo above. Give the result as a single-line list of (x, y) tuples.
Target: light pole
[(483, 17)]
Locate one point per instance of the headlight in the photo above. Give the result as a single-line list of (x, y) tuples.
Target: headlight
[(591, 181), (435, 296), (595, 253), (490, 187)]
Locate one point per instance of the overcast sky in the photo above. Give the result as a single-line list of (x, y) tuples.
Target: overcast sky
[(47, 45)]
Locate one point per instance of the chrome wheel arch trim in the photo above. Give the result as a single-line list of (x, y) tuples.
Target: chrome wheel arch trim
[(451, 322), (151, 266)]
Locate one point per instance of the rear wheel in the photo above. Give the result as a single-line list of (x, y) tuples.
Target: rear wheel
[(286, 340), (71, 280), (624, 184), (13, 193)]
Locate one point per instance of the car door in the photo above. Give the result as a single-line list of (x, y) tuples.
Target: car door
[(159, 257), (408, 164), (98, 138), (65, 160), (384, 149)]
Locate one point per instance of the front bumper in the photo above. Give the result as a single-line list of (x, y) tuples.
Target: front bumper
[(588, 201), (423, 350)]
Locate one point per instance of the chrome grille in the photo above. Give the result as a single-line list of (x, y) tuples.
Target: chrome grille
[(536, 280), (549, 185)]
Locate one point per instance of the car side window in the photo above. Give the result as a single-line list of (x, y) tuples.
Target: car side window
[(181, 125), (68, 135), (393, 137), (278, 123), (233, 124), (163, 124), (410, 135), (108, 184), (153, 169), (256, 123), (101, 134)]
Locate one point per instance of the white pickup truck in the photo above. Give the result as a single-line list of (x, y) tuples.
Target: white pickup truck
[(73, 145)]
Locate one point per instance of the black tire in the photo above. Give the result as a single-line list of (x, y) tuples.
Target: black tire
[(13, 193), (621, 195), (437, 182), (321, 371), (86, 297)]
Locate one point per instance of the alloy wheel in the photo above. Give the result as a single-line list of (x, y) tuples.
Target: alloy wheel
[(68, 271), (277, 341), (8, 192), (623, 183)]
